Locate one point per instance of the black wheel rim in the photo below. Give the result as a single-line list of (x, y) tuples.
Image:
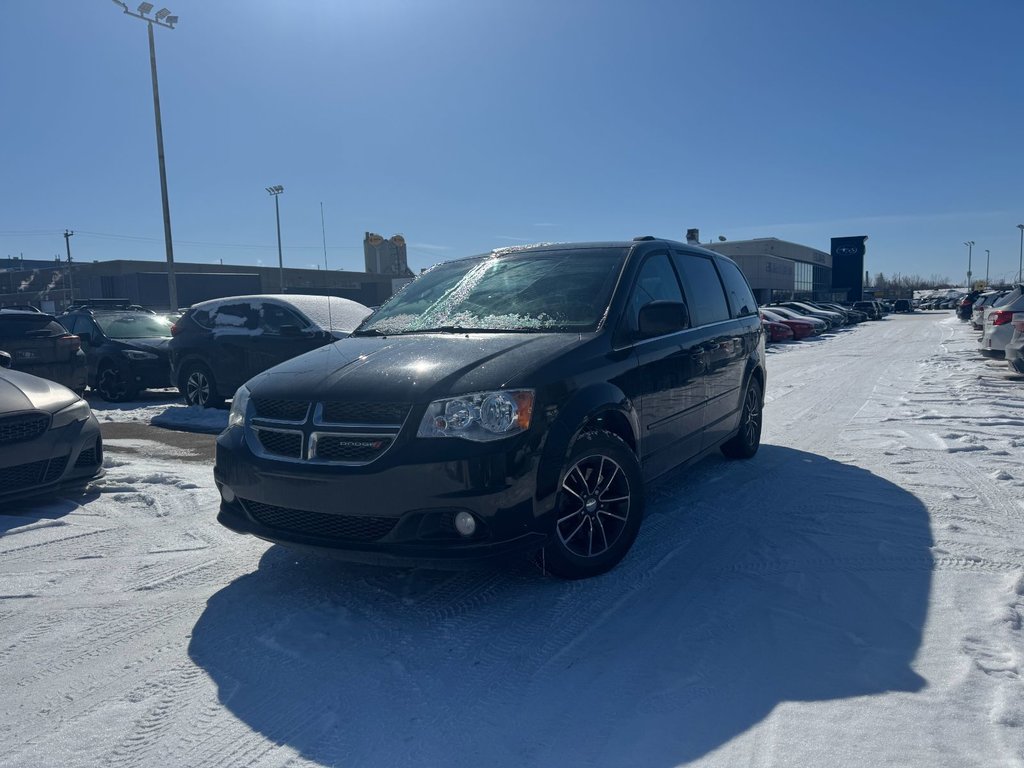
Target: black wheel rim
[(197, 388), (112, 385), (751, 428), (595, 506)]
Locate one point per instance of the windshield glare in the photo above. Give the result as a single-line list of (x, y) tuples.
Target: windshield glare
[(134, 326), (536, 291)]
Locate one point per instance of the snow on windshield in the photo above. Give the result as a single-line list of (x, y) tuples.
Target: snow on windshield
[(563, 289)]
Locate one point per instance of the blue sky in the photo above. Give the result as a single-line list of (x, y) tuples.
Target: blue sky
[(468, 125)]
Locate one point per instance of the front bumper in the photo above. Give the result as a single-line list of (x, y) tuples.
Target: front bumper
[(1015, 356), (58, 459), (398, 510)]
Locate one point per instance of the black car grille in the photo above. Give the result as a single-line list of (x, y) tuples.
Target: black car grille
[(365, 413), (23, 427), (34, 473), (351, 448), (340, 527), (281, 410), (280, 443), (91, 456)]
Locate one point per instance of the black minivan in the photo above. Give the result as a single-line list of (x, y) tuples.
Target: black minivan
[(510, 402)]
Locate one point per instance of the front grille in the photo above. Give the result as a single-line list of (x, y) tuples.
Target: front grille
[(365, 413), (351, 448), (339, 527), (34, 473), (281, 410), (280, 443), (23, 427)]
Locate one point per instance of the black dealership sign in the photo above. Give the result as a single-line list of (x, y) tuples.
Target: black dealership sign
[(848, 266)]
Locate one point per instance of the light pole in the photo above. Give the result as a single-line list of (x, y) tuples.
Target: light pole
[(970, 245), (988, 254), (162, 18), (1020, 263), (274, 191)]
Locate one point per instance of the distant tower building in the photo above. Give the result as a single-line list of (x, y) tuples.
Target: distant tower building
[(385, 257)]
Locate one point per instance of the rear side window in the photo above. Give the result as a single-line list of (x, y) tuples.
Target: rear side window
[(740, 297), (29, 327), (703, 286), (200, 317)]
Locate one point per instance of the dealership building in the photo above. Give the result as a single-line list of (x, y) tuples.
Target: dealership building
[(778, 269)]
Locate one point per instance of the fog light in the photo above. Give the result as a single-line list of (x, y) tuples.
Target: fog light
[(227, 494), (465, 523)]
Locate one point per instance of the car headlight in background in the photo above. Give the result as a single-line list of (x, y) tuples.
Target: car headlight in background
[(138, 354), (239, 405), (480, 416), (75, 412)]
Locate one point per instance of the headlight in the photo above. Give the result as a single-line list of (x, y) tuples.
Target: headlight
[(239, 405), (480, 416), (76, 412), (137, 354)]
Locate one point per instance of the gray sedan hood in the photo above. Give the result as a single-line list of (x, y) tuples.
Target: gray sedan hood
[(24, 392)]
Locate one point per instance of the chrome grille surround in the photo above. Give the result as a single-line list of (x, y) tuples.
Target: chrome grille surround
[(318, 440)]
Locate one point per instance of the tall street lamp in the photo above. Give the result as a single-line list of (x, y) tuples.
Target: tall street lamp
[(988, 254), (162, 18), (1020, 263), (970, 245), (274, 191)]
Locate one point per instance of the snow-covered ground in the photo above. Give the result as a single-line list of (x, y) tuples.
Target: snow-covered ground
[(161, 408), (853, 596)]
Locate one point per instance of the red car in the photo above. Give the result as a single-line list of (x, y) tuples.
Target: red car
[(800, 328), (776, 331)]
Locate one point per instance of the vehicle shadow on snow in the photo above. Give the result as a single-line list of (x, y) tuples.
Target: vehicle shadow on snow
[(790, 577)]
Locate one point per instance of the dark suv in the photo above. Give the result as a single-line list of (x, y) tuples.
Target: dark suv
[(222, 343), (126, 349), (40, 345), (513, 401)]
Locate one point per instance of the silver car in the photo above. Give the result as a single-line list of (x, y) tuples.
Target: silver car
[(998, 323), (49, 438)]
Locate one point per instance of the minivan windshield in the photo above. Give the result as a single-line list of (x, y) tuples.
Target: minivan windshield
[(556, 290)]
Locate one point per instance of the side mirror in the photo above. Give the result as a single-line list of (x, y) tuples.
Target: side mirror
[(662, 317), (5, 360), (86, 338), (289, 330)]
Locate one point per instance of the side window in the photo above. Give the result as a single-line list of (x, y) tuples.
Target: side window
[(656, 281), (707, 298), (273, 316), (201, 317), (236, 316), (72, 323), (740, 297)]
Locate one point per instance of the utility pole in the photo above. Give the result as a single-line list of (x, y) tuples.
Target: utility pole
[(162, 18), (71, 287), (324, 231), (988, 254), (274, 191), (970, 247)]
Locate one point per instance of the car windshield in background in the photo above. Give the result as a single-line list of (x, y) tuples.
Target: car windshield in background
[(559, 290), (138, 326)]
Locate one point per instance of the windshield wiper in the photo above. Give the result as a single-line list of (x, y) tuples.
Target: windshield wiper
[(369, 332)]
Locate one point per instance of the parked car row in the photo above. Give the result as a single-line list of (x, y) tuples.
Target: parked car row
[(999, 315), (795, 320)]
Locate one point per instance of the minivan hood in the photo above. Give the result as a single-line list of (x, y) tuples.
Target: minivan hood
[(412, 368)]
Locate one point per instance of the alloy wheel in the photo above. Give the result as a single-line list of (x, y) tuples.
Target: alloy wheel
[(596, 507), (197, 388)]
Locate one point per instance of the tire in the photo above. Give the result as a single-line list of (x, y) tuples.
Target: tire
[(112, 386), (198, 387), (598, 508), (744, 444)]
